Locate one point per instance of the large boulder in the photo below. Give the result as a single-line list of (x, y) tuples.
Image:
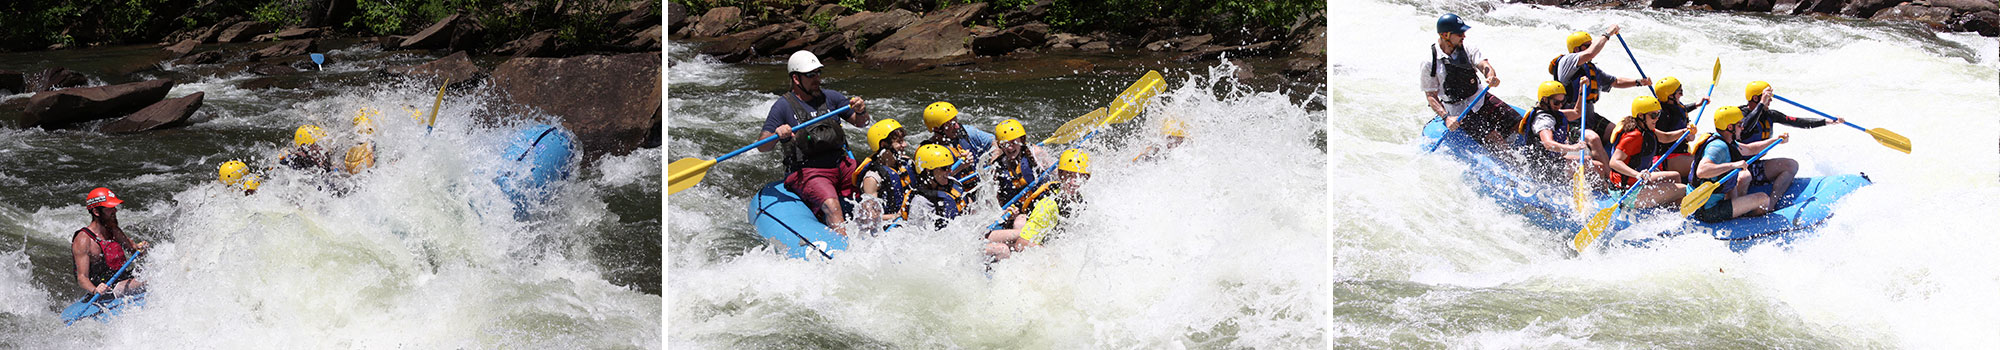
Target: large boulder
[(1866, 8), (939, 38), (243, 31), (55, 78), (871, 27), (677, 15), (637, 14), (456, 67), (716, 22), (644, 40), (539, 44), (295, 33), (612, 103), (169, 113), (1667, 4), (55, 109), (182, 48), (12, 82), (831, 46), (455, 32), (1935, 17), (1987, 23), (204, 57), (752, 43), (1010, 39), (268, 69), (1309, 53), (289, 48), (1966, 6)]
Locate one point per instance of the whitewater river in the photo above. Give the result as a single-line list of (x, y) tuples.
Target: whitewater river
[(1220, 244), (1420, 260), (422, 251)]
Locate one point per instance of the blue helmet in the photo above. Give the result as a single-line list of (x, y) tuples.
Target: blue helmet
[(1449, 23)]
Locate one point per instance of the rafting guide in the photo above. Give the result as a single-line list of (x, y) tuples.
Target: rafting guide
[(817, 164), (1451, 78), (103, 263)]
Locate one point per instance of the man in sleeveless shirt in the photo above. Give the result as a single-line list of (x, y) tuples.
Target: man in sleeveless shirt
[(1450, 80), (820, 179), (99, 248)]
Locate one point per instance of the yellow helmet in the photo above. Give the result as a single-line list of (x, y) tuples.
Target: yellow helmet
[(934, 156), (1645, 104), (363, 125), (1576, 39), (250, 184), (1667, 86), (1549, 88), (881, 130), (938, 113), (360, 157), (1175, 128), (1755, 88), (306, 135), (1075, 161), (1009, 130), (1727, 116), (231, 172)]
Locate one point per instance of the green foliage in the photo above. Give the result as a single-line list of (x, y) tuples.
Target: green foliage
[(823, 21), (382, 17), (282, 13), (1134, 15)]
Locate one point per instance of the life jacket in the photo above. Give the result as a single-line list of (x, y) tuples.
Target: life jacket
[(1649, 147), (1461, 78), (1734, 155), (896, 184), (1757, 125), (946, 203), (1590, 85), (1017, 176), (821, 145), (1674, 117), (113, 257), (1045, 213), (1561, 133)]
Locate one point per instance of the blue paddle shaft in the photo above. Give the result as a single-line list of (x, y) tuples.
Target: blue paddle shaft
[(1677, 144), (768, 139), (1635, 64), (1040, 177), (1461, 113), (1815, 111), (1752, 160), (115, 275)]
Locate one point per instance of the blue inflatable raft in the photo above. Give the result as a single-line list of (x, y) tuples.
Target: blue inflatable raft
[(783, 219), (537, 157), (103, 310), (1808, 203)]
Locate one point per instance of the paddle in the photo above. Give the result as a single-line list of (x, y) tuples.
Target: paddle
[(1595, 227), (684, 173), (1461, 114), (1579, 186), (1642, 70), (79, 311), (1884, 136), (435, 105), (1123, 108), (1695, 199), (318, 61)]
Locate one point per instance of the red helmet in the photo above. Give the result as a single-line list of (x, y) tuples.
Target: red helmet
[(101, 197)]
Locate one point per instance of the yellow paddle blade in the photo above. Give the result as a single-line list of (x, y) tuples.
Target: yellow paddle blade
[(1697, 198), (1581, 188), (1076, 128), (1891, 139), (439, 102), (1593, 228), (1715, 73), (1134, 99), (684, 173)]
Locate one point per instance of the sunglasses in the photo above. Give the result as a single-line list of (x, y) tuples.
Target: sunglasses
[(812, 74)]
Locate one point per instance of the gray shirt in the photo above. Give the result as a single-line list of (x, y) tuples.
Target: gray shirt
[(1433, 77)]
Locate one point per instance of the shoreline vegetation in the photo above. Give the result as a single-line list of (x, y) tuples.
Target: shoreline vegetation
[(1978, 16), (568, 27), (916, 35)]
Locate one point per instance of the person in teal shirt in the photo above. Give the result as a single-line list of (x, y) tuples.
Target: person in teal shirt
[(1720, 154)]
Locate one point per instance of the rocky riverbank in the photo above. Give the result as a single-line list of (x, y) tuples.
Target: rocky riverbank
[(908, 37), (1981, 16)]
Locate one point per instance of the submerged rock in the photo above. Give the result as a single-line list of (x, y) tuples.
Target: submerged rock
[(169, 113), (60, 108)]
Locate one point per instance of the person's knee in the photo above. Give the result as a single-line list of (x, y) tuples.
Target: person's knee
[(998, 250)]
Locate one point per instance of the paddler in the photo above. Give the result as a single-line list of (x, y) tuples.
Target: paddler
[(887, 176), (361, 156), (99, 248), (1175, 131), (306, 153), (965, 143), (1639, 147), (1568, 67), (1673, 113), (938, 190), (1554, 129), (1721, 153), (236, 174), (1759, 117), (817, 165), (1450, 81), (1016, 165), (1046, 206)]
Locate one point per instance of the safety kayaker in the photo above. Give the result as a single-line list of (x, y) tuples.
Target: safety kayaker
[(236, 175), (361, 156), (1555, 130), (1046, 206), (1721, 153), (99, 248), (887, 176), (817, 165), (965, 143), (1015, 166), (938, 190), (306, 153), (1638, 148), (1450, 80), (1759, 118), (1568, 67)]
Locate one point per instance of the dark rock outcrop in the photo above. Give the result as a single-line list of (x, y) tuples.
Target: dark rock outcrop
[(751, 43), (455, 32), (1866, 8), (1935, 17), (182, 48), (939, 38), (871, 27), (55, 109), (1987, 23), (677, 16), (169, 113), (539, 44), (1965, 6), (643, 40), (204, 57), (243, 31), (612, 103), (716, 22), (289, 34), (457, 67), (1007, 40), (55, 78), (271, 69), (287, 48)]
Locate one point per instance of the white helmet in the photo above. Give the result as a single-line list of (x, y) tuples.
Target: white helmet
[(802, 61)]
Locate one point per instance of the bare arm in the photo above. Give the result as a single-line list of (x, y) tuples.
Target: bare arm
[(1492, 76), (81, 255), (1597, 46), (1549, 142), (1437, 107), (1708, 169), (1618, 158)]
